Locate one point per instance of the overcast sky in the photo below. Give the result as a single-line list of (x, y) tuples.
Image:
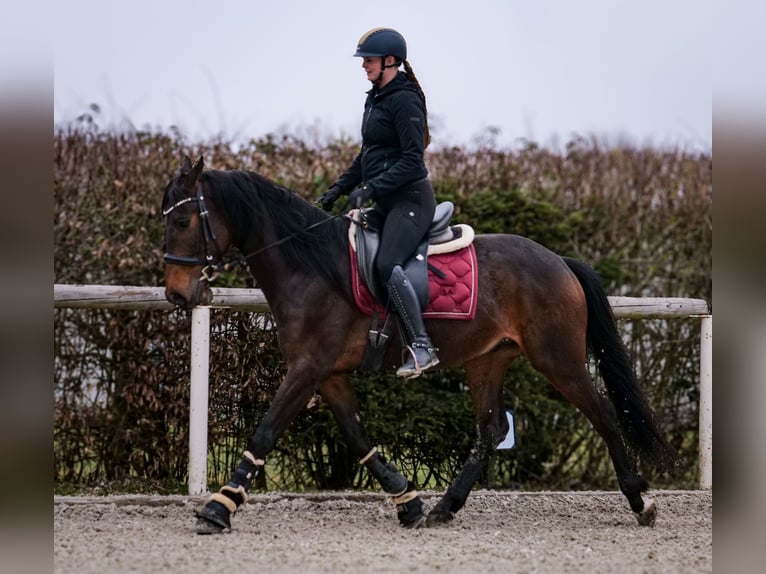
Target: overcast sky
[(620, 70)]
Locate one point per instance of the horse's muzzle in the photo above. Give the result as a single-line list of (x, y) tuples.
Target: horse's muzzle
[(185, 288), (196, 293), (178, 300)]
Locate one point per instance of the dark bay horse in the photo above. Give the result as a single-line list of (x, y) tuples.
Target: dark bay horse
[(532, 302)]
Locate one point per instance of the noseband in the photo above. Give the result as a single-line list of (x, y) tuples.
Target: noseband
[(208, 236)]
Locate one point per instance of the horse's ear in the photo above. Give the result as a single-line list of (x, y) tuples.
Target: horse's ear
[(186, 165), (197, 169)]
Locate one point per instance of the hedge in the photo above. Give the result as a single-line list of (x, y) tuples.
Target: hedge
[(641, 217)]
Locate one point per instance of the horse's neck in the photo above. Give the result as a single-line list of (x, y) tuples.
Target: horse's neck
[(278, 277), (266, 265), (271, 272)]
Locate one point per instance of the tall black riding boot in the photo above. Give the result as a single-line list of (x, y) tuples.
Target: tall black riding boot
[(405, 301)]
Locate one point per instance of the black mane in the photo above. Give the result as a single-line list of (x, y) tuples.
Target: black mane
[(246, 198)]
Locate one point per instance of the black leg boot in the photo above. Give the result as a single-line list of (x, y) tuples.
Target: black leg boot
[(422, 352)]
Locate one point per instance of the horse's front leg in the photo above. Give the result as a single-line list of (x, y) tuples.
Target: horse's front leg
[(341, 398), (484, 377), (292, 396)]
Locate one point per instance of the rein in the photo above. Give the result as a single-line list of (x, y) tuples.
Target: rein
[(292, 236), (209, 268)]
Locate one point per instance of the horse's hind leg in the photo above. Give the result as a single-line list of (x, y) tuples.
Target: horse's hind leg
[(341, 399), (576, 386), (485, 381)]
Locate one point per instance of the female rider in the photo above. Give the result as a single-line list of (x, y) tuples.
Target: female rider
[(390, 170)]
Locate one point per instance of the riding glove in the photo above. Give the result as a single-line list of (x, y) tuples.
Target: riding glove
[(360, 196), (330, 197)]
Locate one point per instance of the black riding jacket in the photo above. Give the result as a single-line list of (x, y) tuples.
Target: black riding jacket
[(393, 140)]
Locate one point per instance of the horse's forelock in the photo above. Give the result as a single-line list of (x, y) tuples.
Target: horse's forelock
[(174, 191)]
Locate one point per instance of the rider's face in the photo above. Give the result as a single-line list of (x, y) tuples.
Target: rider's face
[(372, 65)]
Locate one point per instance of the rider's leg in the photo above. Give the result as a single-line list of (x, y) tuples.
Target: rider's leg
[(422, 352), (407, 221)]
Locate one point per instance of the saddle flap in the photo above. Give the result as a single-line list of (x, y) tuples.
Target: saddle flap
[(367, 242)]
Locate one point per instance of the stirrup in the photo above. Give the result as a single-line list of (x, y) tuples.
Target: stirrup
[(411, 368)]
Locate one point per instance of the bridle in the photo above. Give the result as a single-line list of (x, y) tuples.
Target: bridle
[(209, 268), (208, 235)]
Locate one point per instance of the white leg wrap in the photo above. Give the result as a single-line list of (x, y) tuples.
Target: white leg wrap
[(406, 497), (251, 457), (368, 456), (225, 500), (239, 490)]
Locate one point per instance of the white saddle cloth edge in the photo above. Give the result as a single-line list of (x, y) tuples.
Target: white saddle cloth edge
[(465, 239)]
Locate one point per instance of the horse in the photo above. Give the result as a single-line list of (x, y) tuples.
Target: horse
[(532, 302)]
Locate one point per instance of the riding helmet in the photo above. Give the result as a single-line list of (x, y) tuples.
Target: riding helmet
[(382, 42)]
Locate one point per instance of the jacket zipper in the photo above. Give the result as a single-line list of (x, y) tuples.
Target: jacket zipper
[(364, 125)]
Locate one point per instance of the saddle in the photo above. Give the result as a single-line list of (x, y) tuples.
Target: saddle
[(364, 238), (364, 241)]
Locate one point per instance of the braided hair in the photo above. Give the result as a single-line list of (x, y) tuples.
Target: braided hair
[(411, 75)]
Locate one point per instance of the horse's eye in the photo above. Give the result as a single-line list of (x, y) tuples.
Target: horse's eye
[(182, 223)]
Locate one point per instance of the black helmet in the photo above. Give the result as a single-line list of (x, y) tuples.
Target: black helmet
[(382, 42)]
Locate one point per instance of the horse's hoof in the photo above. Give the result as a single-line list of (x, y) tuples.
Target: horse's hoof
[(410, 513), (649, 514), (437, 518), (212, 518), (204, 526), (419, 522)]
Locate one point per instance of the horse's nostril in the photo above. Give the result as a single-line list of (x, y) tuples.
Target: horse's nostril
[(176, 298)]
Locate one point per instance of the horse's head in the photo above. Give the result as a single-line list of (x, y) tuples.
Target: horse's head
[(195, 237)]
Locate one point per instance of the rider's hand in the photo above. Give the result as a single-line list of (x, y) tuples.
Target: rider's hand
[(360, 196), (329, 198)]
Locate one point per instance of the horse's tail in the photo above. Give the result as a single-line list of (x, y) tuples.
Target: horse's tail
[(637, 421)]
